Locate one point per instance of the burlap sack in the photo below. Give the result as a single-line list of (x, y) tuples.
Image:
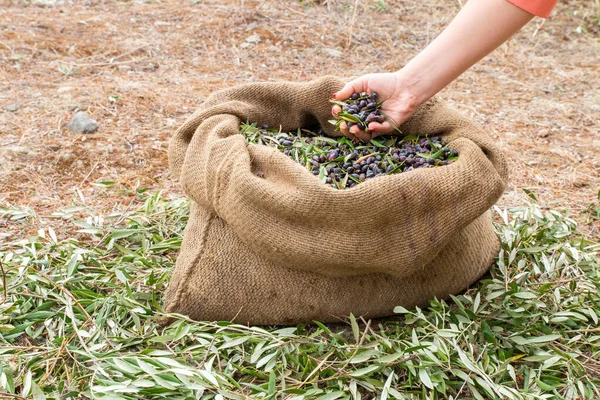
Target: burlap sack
[(267, 243)]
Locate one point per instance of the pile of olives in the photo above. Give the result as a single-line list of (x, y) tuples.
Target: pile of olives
[(343, 164), (360, 109)]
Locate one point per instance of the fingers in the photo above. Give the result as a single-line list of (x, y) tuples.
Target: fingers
[(346, 132), (335, 110), (380, 128), (343, 128), (355, 86), (375, 129), (356, 132)]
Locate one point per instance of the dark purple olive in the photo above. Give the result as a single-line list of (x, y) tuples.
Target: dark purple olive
[(362, 116), (354, 96), (373, 118)]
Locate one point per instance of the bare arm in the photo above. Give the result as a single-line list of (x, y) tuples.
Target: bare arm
[(479, 28)]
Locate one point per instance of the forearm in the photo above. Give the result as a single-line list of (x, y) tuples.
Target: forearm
[(479, 28)]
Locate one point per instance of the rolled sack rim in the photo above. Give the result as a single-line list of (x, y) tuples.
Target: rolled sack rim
[(271, 212)]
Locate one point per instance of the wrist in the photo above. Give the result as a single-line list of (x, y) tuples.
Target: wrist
[(411, 87)]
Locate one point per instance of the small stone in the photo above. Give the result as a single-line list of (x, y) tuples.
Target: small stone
[(12, 107), (64, 89), (333, 52), (81, 123), (544, 133), (253, 38)]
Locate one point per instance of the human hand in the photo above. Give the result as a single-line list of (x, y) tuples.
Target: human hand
[(398, 103), (479, 28)]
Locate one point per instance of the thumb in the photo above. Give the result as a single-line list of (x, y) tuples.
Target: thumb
[(355, 86)]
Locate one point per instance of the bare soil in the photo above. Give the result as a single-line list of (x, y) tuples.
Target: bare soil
[(141, 68)]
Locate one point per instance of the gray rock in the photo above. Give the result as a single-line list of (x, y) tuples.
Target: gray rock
[(13, 107), (81, 123)]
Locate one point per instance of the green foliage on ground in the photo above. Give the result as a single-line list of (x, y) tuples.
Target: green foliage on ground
[(80, 320)]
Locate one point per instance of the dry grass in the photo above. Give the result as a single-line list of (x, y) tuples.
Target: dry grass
[(140, 68)]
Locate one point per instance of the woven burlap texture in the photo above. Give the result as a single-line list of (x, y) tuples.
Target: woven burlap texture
[(267, 243)]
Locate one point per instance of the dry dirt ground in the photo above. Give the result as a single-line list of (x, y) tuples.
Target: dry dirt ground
[(140, 68)]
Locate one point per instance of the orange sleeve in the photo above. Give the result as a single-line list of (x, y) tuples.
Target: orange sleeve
[(541, 8)]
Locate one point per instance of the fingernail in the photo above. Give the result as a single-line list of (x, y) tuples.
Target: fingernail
[(334, 96)]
